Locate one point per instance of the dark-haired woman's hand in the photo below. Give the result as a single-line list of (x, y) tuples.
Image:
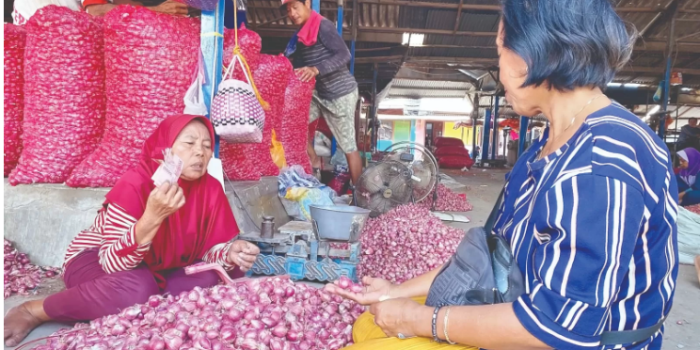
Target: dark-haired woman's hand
[(164, 201), (171, 8)]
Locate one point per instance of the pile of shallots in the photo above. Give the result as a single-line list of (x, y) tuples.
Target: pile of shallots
[(447, 200), (406, 242), (694, 208), (260, 314), (21, 276)]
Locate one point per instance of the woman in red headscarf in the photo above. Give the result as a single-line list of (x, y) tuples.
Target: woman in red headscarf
[(144, 235)]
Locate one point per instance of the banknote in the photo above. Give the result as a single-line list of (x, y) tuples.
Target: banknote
[(169, 170)]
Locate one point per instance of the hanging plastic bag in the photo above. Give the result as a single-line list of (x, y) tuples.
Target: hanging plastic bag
[(277, 152), (194, 97)]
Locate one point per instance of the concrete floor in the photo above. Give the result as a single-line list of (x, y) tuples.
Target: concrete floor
[(482, 188)]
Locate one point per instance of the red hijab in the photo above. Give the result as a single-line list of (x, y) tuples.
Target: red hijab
[(204, 221)]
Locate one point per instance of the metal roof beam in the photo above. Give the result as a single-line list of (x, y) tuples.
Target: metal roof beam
[(667, 11), (659, 70), (433, 75), (459, 16), (661, 47), (428, 31), (497, 8)]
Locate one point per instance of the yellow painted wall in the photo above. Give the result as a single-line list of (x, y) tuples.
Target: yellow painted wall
[(465, 134)]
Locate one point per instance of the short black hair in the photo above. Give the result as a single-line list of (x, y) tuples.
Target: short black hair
[(567, 43), (692, 119)]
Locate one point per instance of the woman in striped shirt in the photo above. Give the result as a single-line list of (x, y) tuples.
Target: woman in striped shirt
[(144, 235), (589, 210)]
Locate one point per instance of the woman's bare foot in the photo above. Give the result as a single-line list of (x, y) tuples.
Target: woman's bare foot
[(697, 266), (22, 319)]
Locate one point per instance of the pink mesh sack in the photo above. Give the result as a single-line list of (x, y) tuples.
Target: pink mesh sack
[(64, 100), (150, 59), (292, 130), (272, 76), (251, 161), (13, 84)]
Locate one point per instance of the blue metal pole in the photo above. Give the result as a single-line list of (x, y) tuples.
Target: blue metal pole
[(474, 120), (487, 135), (212, 46), (352, 57), (316, 5), (669, 64), (524, 121), (495, 129), (664, 103), (373, 111), (339, 23)]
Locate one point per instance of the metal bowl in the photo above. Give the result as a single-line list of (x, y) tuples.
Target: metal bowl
[(339, 223)]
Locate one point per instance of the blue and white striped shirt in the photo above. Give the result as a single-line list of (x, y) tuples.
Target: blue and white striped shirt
[(593, 229)]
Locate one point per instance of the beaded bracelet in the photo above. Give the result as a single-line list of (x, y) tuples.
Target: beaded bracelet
[(435, 315)]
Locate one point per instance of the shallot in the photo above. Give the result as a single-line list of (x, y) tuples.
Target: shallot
[(404, 243), (447, 200), (294, 316), (21, 276)]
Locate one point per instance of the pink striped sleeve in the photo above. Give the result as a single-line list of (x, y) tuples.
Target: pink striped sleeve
[(119, 250), (218, 254)]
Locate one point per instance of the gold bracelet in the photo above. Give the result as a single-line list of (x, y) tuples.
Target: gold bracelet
[(447, 337)]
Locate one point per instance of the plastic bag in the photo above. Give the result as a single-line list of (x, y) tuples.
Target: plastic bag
[(13, 102), (295, 176), (304, 198), (277, 152), (149, 61), (194, 97), (64, 101), (298, 190)]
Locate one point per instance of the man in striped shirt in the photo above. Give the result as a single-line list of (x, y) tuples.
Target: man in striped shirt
[(317, 51)]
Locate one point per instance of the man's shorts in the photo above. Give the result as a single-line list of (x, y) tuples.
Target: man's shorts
[(340, 117)]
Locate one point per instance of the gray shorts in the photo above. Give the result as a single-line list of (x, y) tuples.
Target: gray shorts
[(340, 117)]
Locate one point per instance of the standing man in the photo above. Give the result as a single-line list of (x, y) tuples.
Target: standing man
[(319, 52)]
